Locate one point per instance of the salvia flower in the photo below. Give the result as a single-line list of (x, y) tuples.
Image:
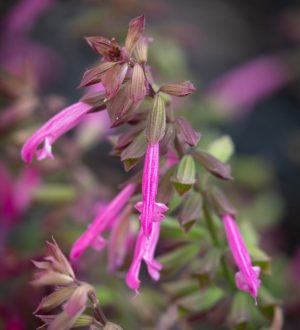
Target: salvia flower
[(150, 210), (55, 128), (92, 236), (52, 130), (144, 250), (247, 278)]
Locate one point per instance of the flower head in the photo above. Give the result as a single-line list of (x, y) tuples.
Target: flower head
[(247, 279)]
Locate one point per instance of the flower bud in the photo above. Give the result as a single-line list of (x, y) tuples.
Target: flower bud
[(182, 89), (156, 124), (55, 299), (184, 178), (135, 30), (51, 278), (93, 76), (141, 50), (137, 89), (219, 202), (213, 165), (187, 132)]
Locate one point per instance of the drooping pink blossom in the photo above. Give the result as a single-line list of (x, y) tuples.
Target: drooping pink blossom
[(144, 250), (55, 127), (150, 210), (243, 87), (52, 130), (92, 236), (247, 278)]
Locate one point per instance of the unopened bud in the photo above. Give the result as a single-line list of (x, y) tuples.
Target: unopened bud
[(93, 76), (219, 202), (141, 50), (51, 278), (156, 124), (184, 178), (213, 165), (137, 89), (181, 89), (135, 30)]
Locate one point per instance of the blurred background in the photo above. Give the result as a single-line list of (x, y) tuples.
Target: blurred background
[(244, 59)]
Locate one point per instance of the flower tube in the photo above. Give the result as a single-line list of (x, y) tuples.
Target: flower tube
[(144, 250), (91, 237), (247, 278)]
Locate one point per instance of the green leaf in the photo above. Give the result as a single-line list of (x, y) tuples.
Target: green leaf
[(171, 229), (222, 148), (179, 257), (191, 210), (207, 266), (266, 303), (200, 301), (177, 289), (260, 258), (239, 313)]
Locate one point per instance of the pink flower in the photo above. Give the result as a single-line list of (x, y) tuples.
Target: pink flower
[(144, 250), (149, 209), (52, 130), (91, 237), (57, 126), (247, 279)]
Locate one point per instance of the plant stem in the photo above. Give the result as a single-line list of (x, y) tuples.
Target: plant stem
[(99, 315)]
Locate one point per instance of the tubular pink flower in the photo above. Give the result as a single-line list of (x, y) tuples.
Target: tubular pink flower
[(144, 250), (52, 130), (149, 209), (247, 279), (91, 237)]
